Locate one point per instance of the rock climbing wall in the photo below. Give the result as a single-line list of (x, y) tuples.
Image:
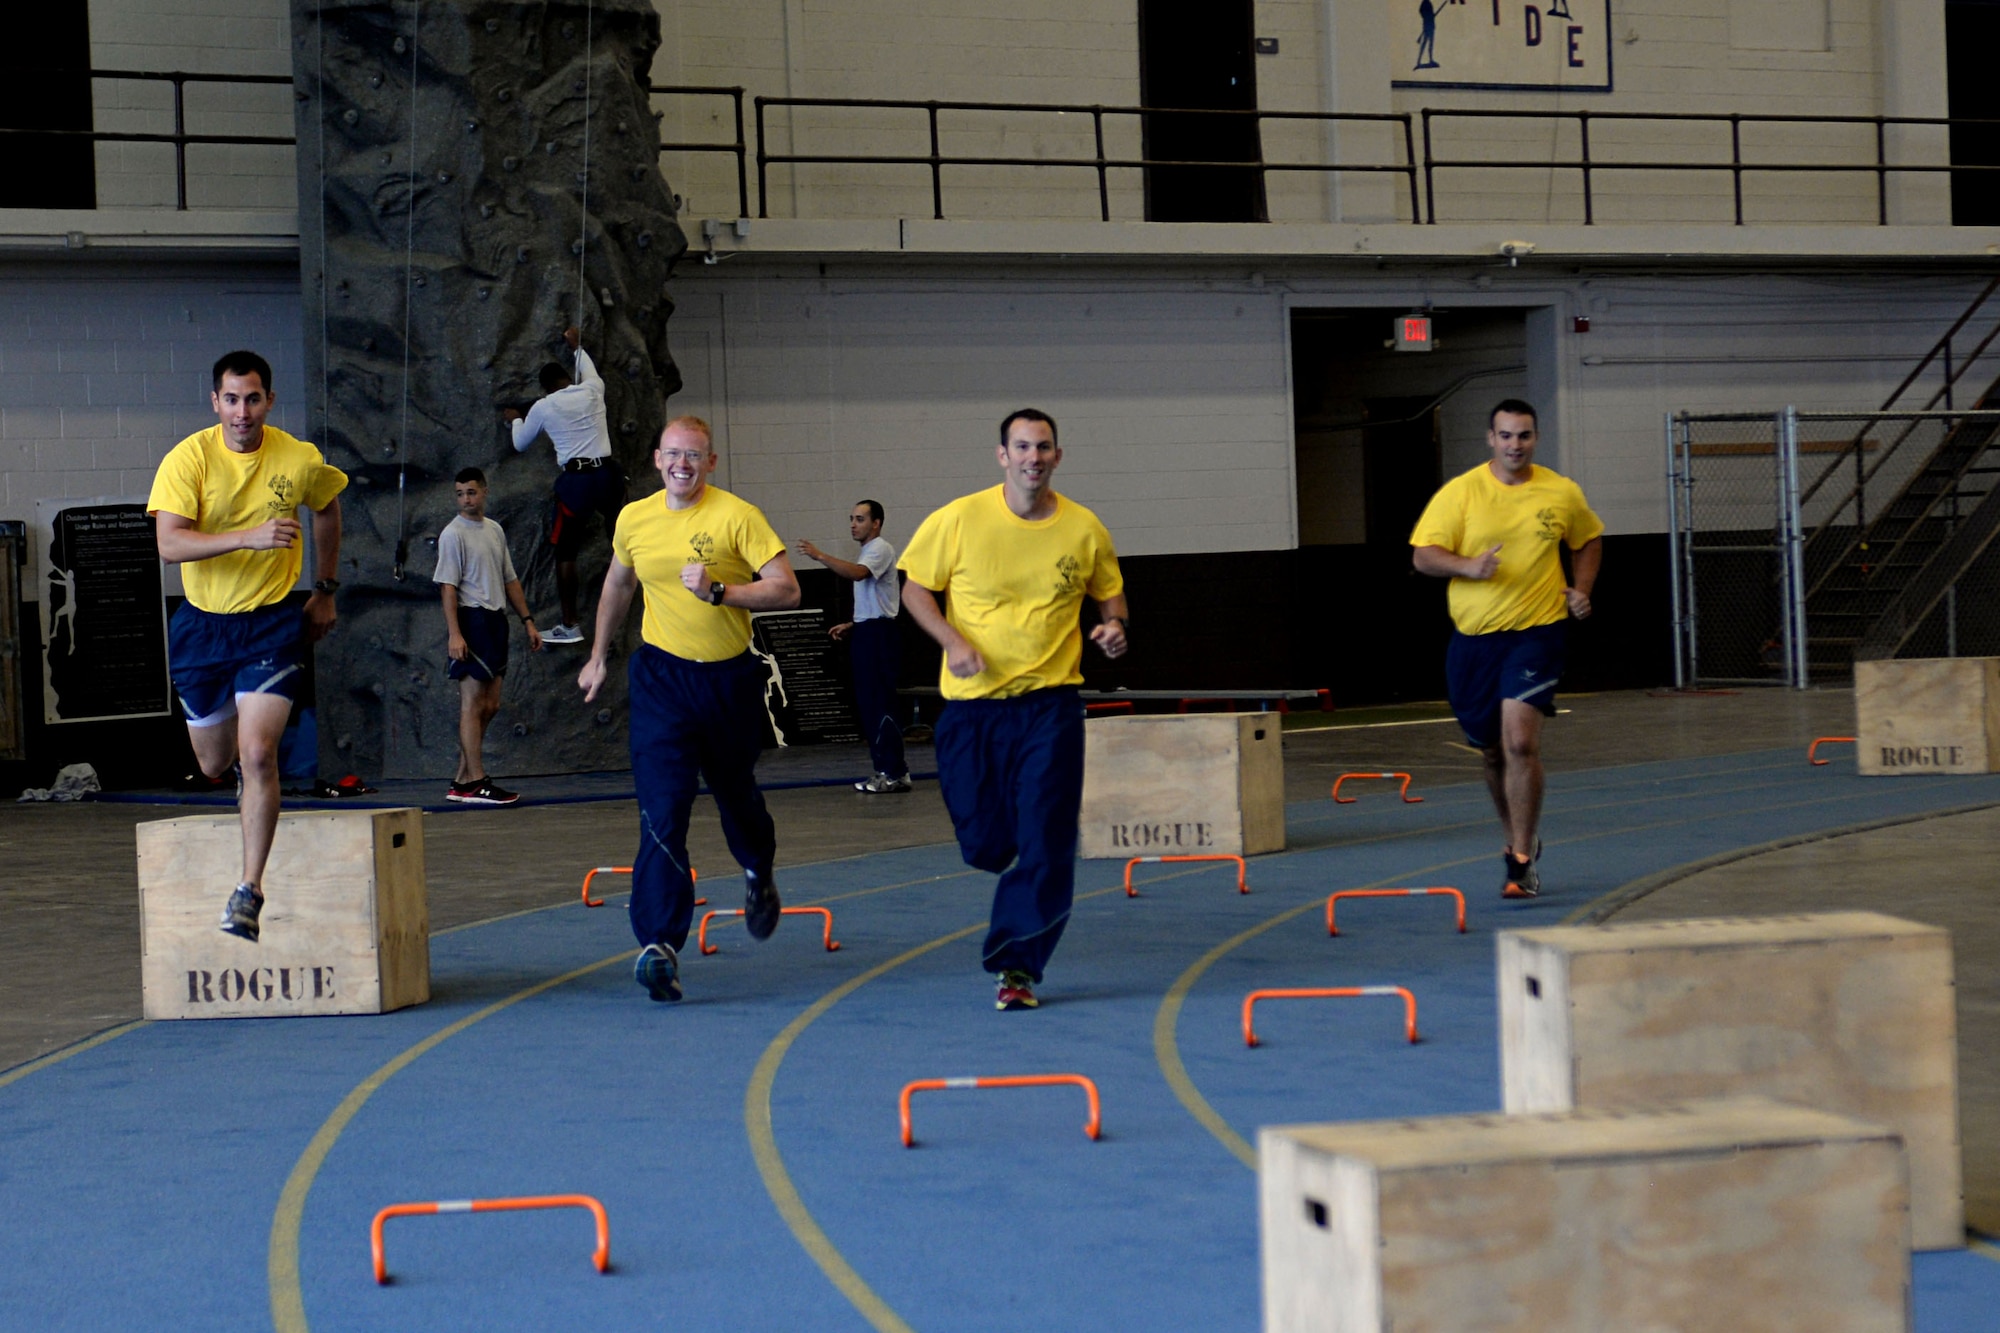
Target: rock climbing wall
[(474, 176)]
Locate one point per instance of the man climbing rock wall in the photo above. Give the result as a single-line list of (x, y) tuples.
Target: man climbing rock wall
[(474, 177)]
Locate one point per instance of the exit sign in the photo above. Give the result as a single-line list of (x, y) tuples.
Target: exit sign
[(1413, 333)]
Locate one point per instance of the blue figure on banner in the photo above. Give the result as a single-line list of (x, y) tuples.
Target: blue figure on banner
[(1427, 42)]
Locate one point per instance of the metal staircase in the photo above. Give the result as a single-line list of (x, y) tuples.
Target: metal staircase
[(1876, 570)]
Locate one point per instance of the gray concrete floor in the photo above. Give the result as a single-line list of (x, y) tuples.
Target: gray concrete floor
[(69, 938), (1939, 871)]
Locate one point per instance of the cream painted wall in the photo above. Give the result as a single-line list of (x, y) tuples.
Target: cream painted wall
[(1173, 395), (103, 368), (193, 36), (1876, 56)]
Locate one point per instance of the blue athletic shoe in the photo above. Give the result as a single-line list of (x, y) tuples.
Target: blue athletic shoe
[(239, 915), (760, 904), (659, 971)]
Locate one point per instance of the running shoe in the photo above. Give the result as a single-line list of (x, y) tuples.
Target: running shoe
[(658, 969), (1523, 880), (1016, 991), (239, 916), (563, 634), (760, 904), (482, 792), (882, 784)]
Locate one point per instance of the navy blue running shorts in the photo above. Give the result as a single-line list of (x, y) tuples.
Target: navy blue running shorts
[(214, 657), (1482, 669), (486, 641), (597, 490)]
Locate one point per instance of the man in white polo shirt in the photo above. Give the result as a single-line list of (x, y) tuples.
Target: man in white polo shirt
[(874, 644), (571, 414)]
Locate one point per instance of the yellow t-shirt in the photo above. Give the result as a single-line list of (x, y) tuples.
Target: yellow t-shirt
[(728, 534), (220, 490), (1474, 512), (1013, 588)]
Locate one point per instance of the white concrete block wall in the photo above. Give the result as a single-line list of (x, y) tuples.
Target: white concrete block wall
[(1670, 55), (1173, 394), (1686, 56), (1174, 415), (193, 36), (102, 370)]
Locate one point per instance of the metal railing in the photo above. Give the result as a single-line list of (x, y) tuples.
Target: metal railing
[(936, 160), (739, 147), (180, 138), (1736, 166), (1419, 165)]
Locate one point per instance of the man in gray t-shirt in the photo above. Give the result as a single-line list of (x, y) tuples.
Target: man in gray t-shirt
[(874, 644), (476, 579)]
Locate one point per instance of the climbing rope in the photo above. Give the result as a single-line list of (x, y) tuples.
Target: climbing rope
[(583, 219), (409, 275)]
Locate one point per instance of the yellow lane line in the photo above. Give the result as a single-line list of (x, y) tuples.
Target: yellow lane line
[(288, 1314), (1166, 1020), (771, 1163), (764, 1140), (19, 1072), (288, 1309)]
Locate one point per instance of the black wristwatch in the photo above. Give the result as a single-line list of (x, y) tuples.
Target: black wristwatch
[(327, 586), (715, 592)]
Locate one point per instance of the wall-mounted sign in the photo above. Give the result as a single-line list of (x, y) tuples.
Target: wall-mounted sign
[(104, 619), (1525, 45), (804, 697)]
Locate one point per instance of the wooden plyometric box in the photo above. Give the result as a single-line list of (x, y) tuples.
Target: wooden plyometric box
[(344, 930), (1927, 715), (1737, 1214), (1177, 786), (1847, 1011)]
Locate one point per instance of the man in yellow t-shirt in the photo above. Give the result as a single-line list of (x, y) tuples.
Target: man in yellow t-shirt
[(705, 560), (225, 503), (1015, 563), (1494, 532)]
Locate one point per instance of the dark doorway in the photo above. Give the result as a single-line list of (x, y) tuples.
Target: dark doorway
[(1198, 55), (1401, 466), (1971, 36), (51, 93)]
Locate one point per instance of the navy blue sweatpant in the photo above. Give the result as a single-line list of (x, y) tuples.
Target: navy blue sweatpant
[(1012, 774), (876, 652), (693, 719)]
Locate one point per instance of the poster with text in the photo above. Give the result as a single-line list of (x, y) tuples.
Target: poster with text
[(1553, 45), (104, 618), (805, 695)]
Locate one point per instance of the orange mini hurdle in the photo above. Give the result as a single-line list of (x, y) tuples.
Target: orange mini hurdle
[(1393, 893), (1329, 993), (826, 936), (694, 877), (1403, 791), (1242, 882), (602, 1257), (1007, 1081), (1813, 749)]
